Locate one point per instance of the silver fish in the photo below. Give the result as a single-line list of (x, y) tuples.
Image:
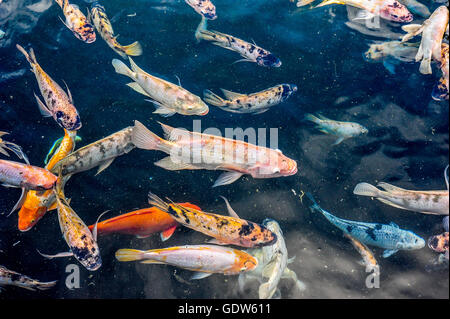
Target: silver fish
[(12, 278)]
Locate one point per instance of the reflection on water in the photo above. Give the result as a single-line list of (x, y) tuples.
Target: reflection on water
[(322, 53)]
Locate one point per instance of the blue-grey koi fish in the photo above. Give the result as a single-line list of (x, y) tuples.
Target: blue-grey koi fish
[(390, 237)]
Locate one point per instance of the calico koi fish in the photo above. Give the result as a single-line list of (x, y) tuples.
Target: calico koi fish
[(205, 260), (255, 103), (12, 278), (76, 22), (203, 7), (168, 98), (224, 229), (390, 237), (432, 30), (214, 153), (141, 223), (250, 52), (101, 22), (58, 104)]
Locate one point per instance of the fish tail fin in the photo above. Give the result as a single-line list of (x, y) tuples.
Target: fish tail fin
[(425, 66), (440, 91), (45, 285), (145, 139), (312, 118), (31, 58), (203, 25), (121, 68), (365, 189), (134, 66), (206, 35), (154, 200), (134, 49), (212, 98), (328, 2), (314, 205), (129, 254), (264, 291)]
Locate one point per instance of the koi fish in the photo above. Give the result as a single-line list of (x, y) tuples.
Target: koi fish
[(224, 229), (81, 241), (389, 237), (250, 52), (343, 130), (205, 260), (255, 103), (141, 223), (386, 9), (58, 104), (16, 149), (168, 98), (425, 202), (12, 278), (272, 264), (416, 7), (439, 243), (214, 153), (432, 30), (76, 22), (391, 52), (101, 22), (368, 258), (100, 153), (36, 205), (440, 90), (203, 7), (55, 147)]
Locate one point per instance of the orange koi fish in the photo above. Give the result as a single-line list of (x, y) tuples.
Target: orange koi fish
[(141, 223), (225, 229)]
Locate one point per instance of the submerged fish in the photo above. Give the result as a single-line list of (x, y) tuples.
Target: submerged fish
[(256, 103), (99, 18), (386, 9), (250, 52), (56, 146), (81, 241), (35, 205), (168, 98), (14, 174), (12, 278), (272, 264), (439, 243), (416, 7), (214, 153), (343, 130), (440, 90), (391, 52), (390, 237), (425, 202), (76, 22), (224, 229), (432, 30), (205, 260), (58, 104), (203, 7), (141, 223), (368, 258), (100, 153), (16, 149)]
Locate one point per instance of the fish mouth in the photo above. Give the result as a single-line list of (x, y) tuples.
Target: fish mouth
[(204, 112), (210, 16)]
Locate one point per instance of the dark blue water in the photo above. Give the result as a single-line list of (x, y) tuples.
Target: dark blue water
[(407, 145)]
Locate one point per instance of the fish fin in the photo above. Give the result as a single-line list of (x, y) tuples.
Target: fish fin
[(312, 118), (53, 206), (165, 235), (203, 25), (134, 49), (231, 211), (365, 189), (143, 138), (302, 3), (129, 254), (68, 92), (95, 230), (227, 178), (64, 22), (200, 275), (389, 65), (291, 260), (134, 66), (385, 201), (20, 202), (104, 165), (242, 60), (158, 202), (389, 187), (389, 252), (122, 68), (215, 241), (135, 86), (363, 15), (394, 225), (31, 58), (268, 269), (42, 107), (213, 99), (232, 95), (425, 66), (339, 141), (179, 81), (162, 109), (263, 291), (260, 111), (446, 176), (155, 262), (412, 28), (142, 236), (170, 165), (328, 2), (60, 255)]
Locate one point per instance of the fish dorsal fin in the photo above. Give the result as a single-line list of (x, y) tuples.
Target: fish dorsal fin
[(232, 95), (231, 211), (134, 67), (68, 92), (389, 187), (94, 231), (446, 176), (173, 134), (394, 225)]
